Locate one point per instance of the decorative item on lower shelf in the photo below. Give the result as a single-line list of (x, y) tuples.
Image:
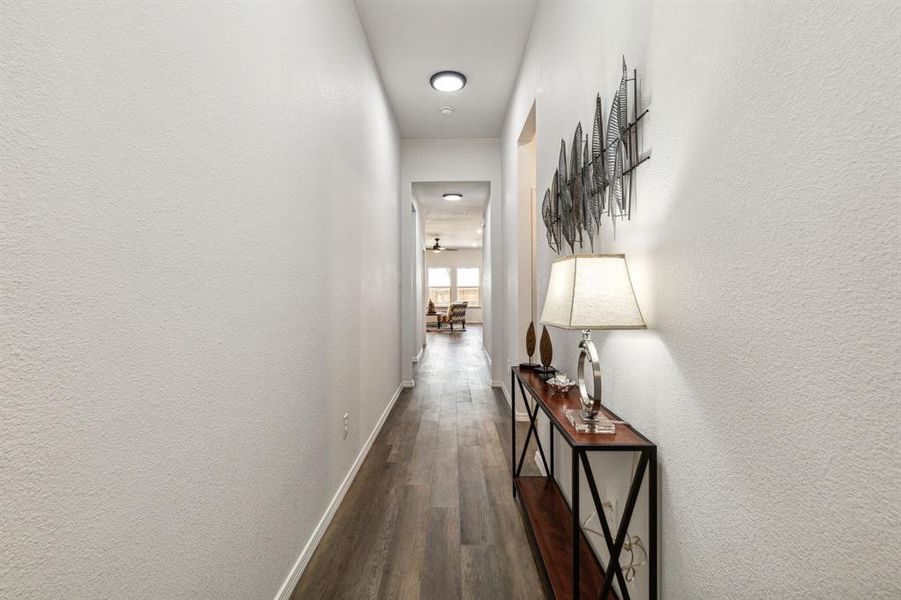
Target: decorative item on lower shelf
[(546, 371), (631, 544), (530, 347)]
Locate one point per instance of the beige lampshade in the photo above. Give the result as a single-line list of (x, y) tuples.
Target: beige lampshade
[(591, 291)]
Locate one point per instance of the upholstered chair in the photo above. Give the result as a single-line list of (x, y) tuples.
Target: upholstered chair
[(456, 313)]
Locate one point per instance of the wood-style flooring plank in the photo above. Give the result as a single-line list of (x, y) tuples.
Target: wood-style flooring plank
[(482, 573), (441, 579), (401, 574), (430, 514)]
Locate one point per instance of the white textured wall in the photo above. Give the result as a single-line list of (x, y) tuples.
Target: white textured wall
[(200, 270), (764, 250), (425, 159)]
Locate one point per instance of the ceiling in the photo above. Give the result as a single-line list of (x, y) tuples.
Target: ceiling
[(412, 39), (458, 224)]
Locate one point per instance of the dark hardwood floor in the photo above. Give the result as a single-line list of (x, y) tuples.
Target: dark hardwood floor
[(430, 514)]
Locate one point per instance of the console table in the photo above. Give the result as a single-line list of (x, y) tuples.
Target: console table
[(570, 565)]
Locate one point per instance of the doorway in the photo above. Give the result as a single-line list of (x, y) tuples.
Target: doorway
[(452, 225), (525, 292)]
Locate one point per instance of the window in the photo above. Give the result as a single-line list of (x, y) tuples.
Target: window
[(468, 286), (439, 286)]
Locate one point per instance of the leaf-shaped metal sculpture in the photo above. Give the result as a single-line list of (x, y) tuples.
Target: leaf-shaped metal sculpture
[(616, 179), (567, 221), (623, 105), (530, 340), (587, 181), (617, 125), (549, 220), (575, 183), (565, 203), (561, 165), (598, 159), (547, 349), (597, 130), (555, 213), (588, 196)]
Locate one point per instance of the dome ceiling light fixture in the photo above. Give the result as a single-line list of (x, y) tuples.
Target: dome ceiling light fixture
[(448, 81), (446, 111), (452, 196)]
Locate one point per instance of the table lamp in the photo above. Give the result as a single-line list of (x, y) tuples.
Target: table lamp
[(591, 291)]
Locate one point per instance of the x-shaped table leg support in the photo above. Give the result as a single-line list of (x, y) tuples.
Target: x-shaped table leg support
[(533, 428), (615, 546)]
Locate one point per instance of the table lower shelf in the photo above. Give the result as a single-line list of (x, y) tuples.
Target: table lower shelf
[(550, 519)]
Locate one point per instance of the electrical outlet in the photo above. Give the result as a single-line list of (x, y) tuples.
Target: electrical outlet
[(346, 422), (610, 510)]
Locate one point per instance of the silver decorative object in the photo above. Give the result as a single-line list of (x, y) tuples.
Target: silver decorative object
[(598, 182), (560, 382), (591, 405)]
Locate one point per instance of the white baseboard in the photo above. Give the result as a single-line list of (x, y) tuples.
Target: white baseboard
[(284, 593), (418, 357), (503, 388), (537, 459), (487, 356), (408, 384), (520, 415)]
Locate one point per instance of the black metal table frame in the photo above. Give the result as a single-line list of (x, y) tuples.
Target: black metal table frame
[(579, 454)]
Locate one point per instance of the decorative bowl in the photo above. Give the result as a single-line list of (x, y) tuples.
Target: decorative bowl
[(561, 383)]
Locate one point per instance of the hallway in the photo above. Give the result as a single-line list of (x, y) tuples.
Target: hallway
[(227, 227), (430, 514)]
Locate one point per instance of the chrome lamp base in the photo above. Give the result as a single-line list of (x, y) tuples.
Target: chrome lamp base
[(589, 419), (587, 424)]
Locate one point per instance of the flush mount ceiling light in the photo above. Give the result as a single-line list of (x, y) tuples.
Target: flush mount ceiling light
[(453, 196), (446, 111), (448, 81)]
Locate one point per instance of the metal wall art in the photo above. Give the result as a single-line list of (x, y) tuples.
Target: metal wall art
[(599, 179)]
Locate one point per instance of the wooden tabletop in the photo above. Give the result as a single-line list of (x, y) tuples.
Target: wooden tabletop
[(555, 405)]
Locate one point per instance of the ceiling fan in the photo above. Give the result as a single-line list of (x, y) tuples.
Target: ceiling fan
[(437, 247)]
